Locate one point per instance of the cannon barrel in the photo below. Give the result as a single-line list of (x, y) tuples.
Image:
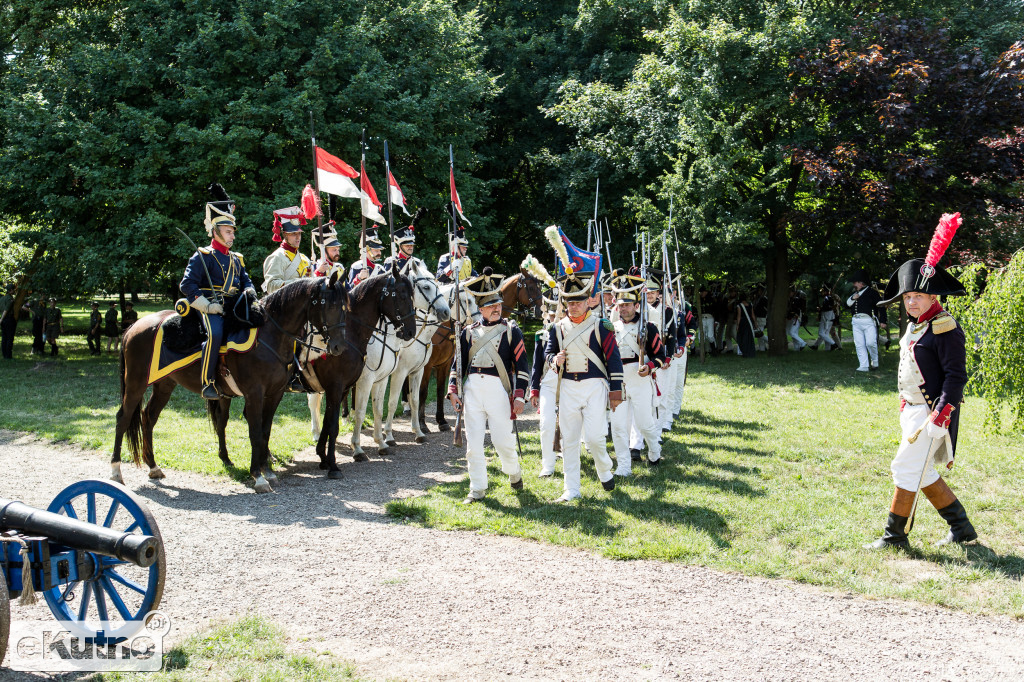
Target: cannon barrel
[(138, 549)]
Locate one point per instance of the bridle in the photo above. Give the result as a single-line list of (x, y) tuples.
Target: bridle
[(319, 303), (523, 287)]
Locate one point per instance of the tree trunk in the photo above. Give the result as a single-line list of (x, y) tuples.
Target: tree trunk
[(20, 290), (777, 279)]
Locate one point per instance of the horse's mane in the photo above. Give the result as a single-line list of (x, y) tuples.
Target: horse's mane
[(284, 298), (358, 293)]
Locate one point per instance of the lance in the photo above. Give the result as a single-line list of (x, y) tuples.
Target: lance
[(387, 180), (362, 168), (316, 184), (457, 435)]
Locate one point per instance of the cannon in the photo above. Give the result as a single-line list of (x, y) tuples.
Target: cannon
[(95, 554)]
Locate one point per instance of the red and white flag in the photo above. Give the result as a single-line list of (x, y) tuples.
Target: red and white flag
[(334, 176), (370, 203), (395, 195), (455, 197)]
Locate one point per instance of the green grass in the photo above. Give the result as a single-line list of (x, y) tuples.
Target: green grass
[(250, 649), (777, 467)]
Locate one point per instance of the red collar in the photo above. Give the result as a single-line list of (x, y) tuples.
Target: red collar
[(370, 262), (930, 313), (289, 248), (217, 246)]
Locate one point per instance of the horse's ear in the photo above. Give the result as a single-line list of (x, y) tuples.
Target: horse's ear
[(394, 268), (334, 278)]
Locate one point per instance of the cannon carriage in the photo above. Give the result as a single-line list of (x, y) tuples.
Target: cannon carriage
[(95, 554)]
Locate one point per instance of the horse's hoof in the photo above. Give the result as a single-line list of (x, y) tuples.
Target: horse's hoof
[(360, 457), (443, 426), (226, 462), (155, 473), (262, 486), (335, 475), (117, 479), (315, 434), (383, 452), (421, 439), (271, 477), (392, 442)]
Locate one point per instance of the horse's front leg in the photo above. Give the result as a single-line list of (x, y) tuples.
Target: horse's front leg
[(269, 410), (329, 435), (314, 400), (398, 378), (378, 416), (220, 425), (254, 417), (415, 379), (440, 388)]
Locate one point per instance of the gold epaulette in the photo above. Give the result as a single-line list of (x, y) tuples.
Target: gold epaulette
[(943, 323), (205, 250), (240, 258)]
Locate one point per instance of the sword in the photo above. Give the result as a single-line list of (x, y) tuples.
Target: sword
[(217, 296), (931, 453)]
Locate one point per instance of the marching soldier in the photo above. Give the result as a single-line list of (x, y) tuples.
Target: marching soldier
[(367, 265), (583, 351), (455, 259), (664, 320), (931, 380), (542, 389), (110, 327), (405, 240), (495, 364), (637, 382), (826, 317), (212, 273), (761, 315), (794, 318), (286, 263), (8, 322), (95, 335), (867, 318), (129, 318), (686, 330), (54, 325)]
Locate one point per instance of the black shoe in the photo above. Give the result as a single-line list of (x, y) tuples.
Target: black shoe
[(814, 348), (635, 455), (654, 462), (960, 528), (518, 485), (210, 392), (895, 534), (609, 485), (834, 347)]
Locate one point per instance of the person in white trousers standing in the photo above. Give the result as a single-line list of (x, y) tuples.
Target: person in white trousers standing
[(495, 367), (543, 379), (867, 318)]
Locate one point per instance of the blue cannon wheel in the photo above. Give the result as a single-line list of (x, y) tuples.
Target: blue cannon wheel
[(121, 593)]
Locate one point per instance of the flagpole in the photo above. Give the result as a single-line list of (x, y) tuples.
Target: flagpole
[(362, 214), (387, 187), (316, 184)]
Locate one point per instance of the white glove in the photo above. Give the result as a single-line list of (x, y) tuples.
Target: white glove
[(933, 430), (203, 305)]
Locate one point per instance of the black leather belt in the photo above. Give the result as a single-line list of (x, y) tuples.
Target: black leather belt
[(486, 371), (577, 376), (628, 361)]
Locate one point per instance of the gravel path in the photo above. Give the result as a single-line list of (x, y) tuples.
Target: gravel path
[(320, 558)]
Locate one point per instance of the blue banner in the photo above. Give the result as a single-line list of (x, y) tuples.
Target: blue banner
[(583, 262)]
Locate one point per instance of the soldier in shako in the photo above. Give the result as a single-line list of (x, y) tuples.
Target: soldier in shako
[(456, 258), (405, 240), (826, 317), (542, 387), (95, 335), (931, 379), (641, 354), (331, 249), (286, 262), (494, 364), (582, 349), (367, 265), (213, 273), (661, 314)]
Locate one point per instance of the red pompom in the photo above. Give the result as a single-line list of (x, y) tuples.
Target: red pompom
[(310, 203), (948, 225)]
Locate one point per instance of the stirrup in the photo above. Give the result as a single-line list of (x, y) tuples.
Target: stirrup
[(210, 392)]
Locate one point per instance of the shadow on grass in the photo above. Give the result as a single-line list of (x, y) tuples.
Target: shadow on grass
[(976, 556)]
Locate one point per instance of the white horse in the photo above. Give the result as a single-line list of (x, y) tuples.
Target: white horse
[(382, 354), (413, 357)]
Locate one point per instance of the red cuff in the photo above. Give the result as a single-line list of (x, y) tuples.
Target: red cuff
[(535, 393), (941, 419), (650, 364), (518, 393), (903, 403)]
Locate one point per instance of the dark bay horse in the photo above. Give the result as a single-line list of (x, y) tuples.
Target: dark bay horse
[(261, 374), (380, 299), (521, 290)]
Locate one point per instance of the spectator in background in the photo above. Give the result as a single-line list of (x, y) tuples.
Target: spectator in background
[(38, 309), (129, 318), (110, 327), (94, 337), (745, 331)]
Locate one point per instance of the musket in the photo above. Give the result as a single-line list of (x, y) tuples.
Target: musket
[(608, 245), (218, 296), (456, 321), (641, 332)]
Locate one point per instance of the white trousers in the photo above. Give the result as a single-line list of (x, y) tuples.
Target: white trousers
[(677, 399), (486, 404), (636, 411), (793, 330), (707, 329), (762, 324), (865, 337), (825, 329), (911, 457), (546, 410), (667, 383), (581, 416)]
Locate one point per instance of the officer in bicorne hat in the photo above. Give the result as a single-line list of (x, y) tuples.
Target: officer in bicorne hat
[(637, 384), (405, 240), (214, 272), (496, 368), (367, 266), (931, 379), (582, 349), (287, 262), (456, 258)]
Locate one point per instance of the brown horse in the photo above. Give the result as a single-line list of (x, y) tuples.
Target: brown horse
[(261, 374), (521, 290)]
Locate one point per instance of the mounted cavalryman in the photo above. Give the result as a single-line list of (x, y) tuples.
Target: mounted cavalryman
[(405, 240), (456, 259), (494, 360), (325, 239), (214, 272), (931, 379), (287, 262), (367, 265)]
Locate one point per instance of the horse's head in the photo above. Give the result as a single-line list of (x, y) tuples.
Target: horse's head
[(427, 294), (397, 303), (528, 293), (329, 305)]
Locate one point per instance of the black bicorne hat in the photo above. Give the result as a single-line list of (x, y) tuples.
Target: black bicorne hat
[(909, 278), (859, 275)]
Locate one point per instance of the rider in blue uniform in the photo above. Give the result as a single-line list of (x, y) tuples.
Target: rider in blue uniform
[(227, 277)]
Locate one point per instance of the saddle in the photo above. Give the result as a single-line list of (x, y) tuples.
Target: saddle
[(179, 339)]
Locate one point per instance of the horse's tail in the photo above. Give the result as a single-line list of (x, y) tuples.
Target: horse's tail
[(134, 431), (213, 411)]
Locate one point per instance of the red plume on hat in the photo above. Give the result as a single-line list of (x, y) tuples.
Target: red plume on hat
[(948, 225), (310, 203)]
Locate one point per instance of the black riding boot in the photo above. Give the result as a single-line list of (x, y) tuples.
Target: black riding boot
[(960, 528), (895, 534)]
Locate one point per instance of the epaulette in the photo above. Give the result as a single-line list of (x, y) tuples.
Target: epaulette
[(942, 323), (241, 259), (205, 250), (607, 324)]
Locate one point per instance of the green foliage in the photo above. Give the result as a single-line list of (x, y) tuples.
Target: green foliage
[(994, 321)]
